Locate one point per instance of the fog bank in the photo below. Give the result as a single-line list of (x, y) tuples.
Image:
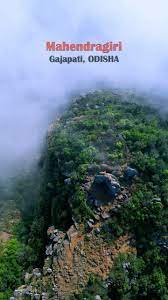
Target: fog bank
[(31, 88)]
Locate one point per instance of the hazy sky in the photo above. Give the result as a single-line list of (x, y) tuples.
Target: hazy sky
[(31, 87)]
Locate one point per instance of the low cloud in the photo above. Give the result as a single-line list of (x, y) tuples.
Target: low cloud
[(31, 88)]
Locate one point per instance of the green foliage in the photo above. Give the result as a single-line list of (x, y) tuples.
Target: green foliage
[(81, 210), (135, 278), (10, 267), (94, 287)]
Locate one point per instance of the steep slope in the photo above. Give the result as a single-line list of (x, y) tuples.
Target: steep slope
[(104, 195)]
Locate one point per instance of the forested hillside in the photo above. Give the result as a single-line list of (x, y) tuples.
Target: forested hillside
[(93, 215)]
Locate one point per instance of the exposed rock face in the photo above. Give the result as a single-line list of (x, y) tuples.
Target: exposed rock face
[(97, 297), (103, 188), (109, 183), (130, 173), (5, 236), (75, 256)]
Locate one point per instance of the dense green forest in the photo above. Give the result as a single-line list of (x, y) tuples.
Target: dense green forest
[(96, 129)]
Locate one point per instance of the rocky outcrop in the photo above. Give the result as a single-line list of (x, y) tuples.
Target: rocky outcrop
[(108, 182), (102, 188), (130, 173), (72, 258)]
